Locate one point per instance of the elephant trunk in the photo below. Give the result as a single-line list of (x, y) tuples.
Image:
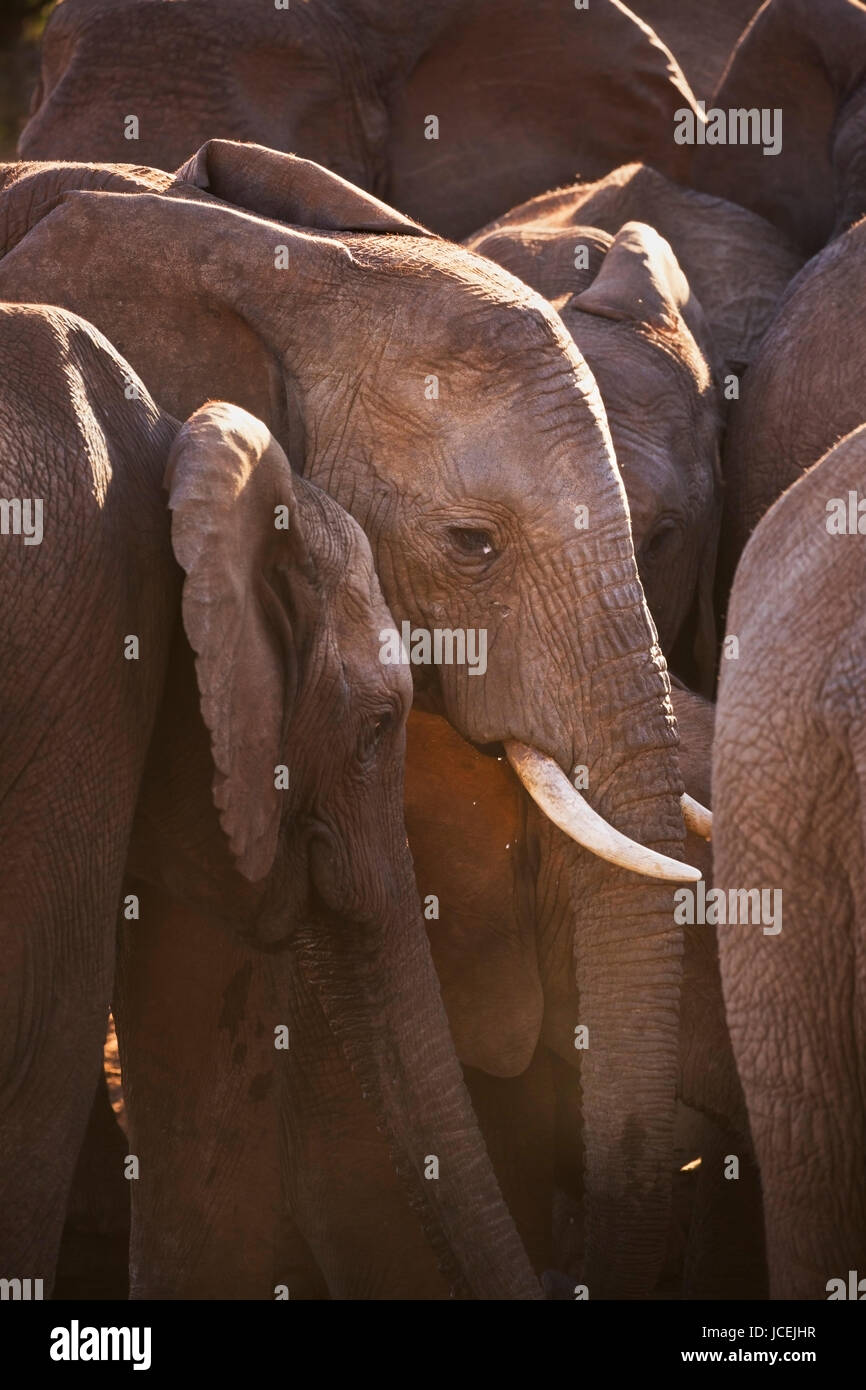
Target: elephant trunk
[(627, 971), (610, 953), (382, 1003), (627, 958)]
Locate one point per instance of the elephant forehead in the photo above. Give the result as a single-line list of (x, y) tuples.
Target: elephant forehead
[(454, 297), (501, 458)]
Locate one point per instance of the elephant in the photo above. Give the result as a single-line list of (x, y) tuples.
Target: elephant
[(723, 1259), (207, 700), (806, 61), (737, 263), (471, 832), (113, 178), (388, 97), (800, 396), (788, 769), (493, 924), (433, 437), (702, 37), (644, 337)]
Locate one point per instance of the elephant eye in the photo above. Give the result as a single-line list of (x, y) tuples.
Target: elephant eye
[(654, 543), (473, 542), (376, 731)]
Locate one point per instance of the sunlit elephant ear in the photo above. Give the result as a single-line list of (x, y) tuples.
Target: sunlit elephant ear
[(548, 259), (30, 191), (513, 97), (806, 63), (288, 189), (235, 533), (641, 281)]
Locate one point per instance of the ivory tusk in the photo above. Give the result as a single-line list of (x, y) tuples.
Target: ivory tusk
[(552, 792), (697, 818)]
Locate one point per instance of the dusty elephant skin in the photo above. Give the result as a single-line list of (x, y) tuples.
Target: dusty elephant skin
[(353, 84), (474, 841), (88, 738), (790, 727), (736, 263), (500, 941), (276, 648), (434, 439), (798, 398), (721, 1262), (701, 37), (645, 339), (808, 61)]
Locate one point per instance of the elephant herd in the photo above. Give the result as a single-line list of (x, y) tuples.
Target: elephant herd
[(395, 419)]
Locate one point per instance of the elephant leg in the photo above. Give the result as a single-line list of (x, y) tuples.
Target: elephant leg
[(810, 1139), (64, 821), (517, 1115), (196, 1019)]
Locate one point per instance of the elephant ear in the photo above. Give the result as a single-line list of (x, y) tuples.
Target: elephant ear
[(805, 61), (185, 327), (226, 479), (30, 191), (641, 281), (511, 98), (555, 261), (288, 189)]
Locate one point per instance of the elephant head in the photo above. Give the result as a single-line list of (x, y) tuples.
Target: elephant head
[(111, 85), (644, 336), (377, 93), (272, 800), (444, 404), (737, 264)]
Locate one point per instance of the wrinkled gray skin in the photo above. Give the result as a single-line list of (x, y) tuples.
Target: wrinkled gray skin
[(352, 83), (790, 735), (278, 644), (645, 339), (468, 501), (809, 61), (801, 394), (737, 264)]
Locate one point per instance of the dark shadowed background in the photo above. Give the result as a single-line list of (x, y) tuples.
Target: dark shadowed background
[(21, 25)]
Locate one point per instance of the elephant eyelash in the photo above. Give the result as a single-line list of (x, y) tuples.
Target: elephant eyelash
[(473, 542), (660, 534), (376, 731)]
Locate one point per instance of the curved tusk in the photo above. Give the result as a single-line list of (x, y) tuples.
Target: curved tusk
[(552, 792), (697, 818)]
